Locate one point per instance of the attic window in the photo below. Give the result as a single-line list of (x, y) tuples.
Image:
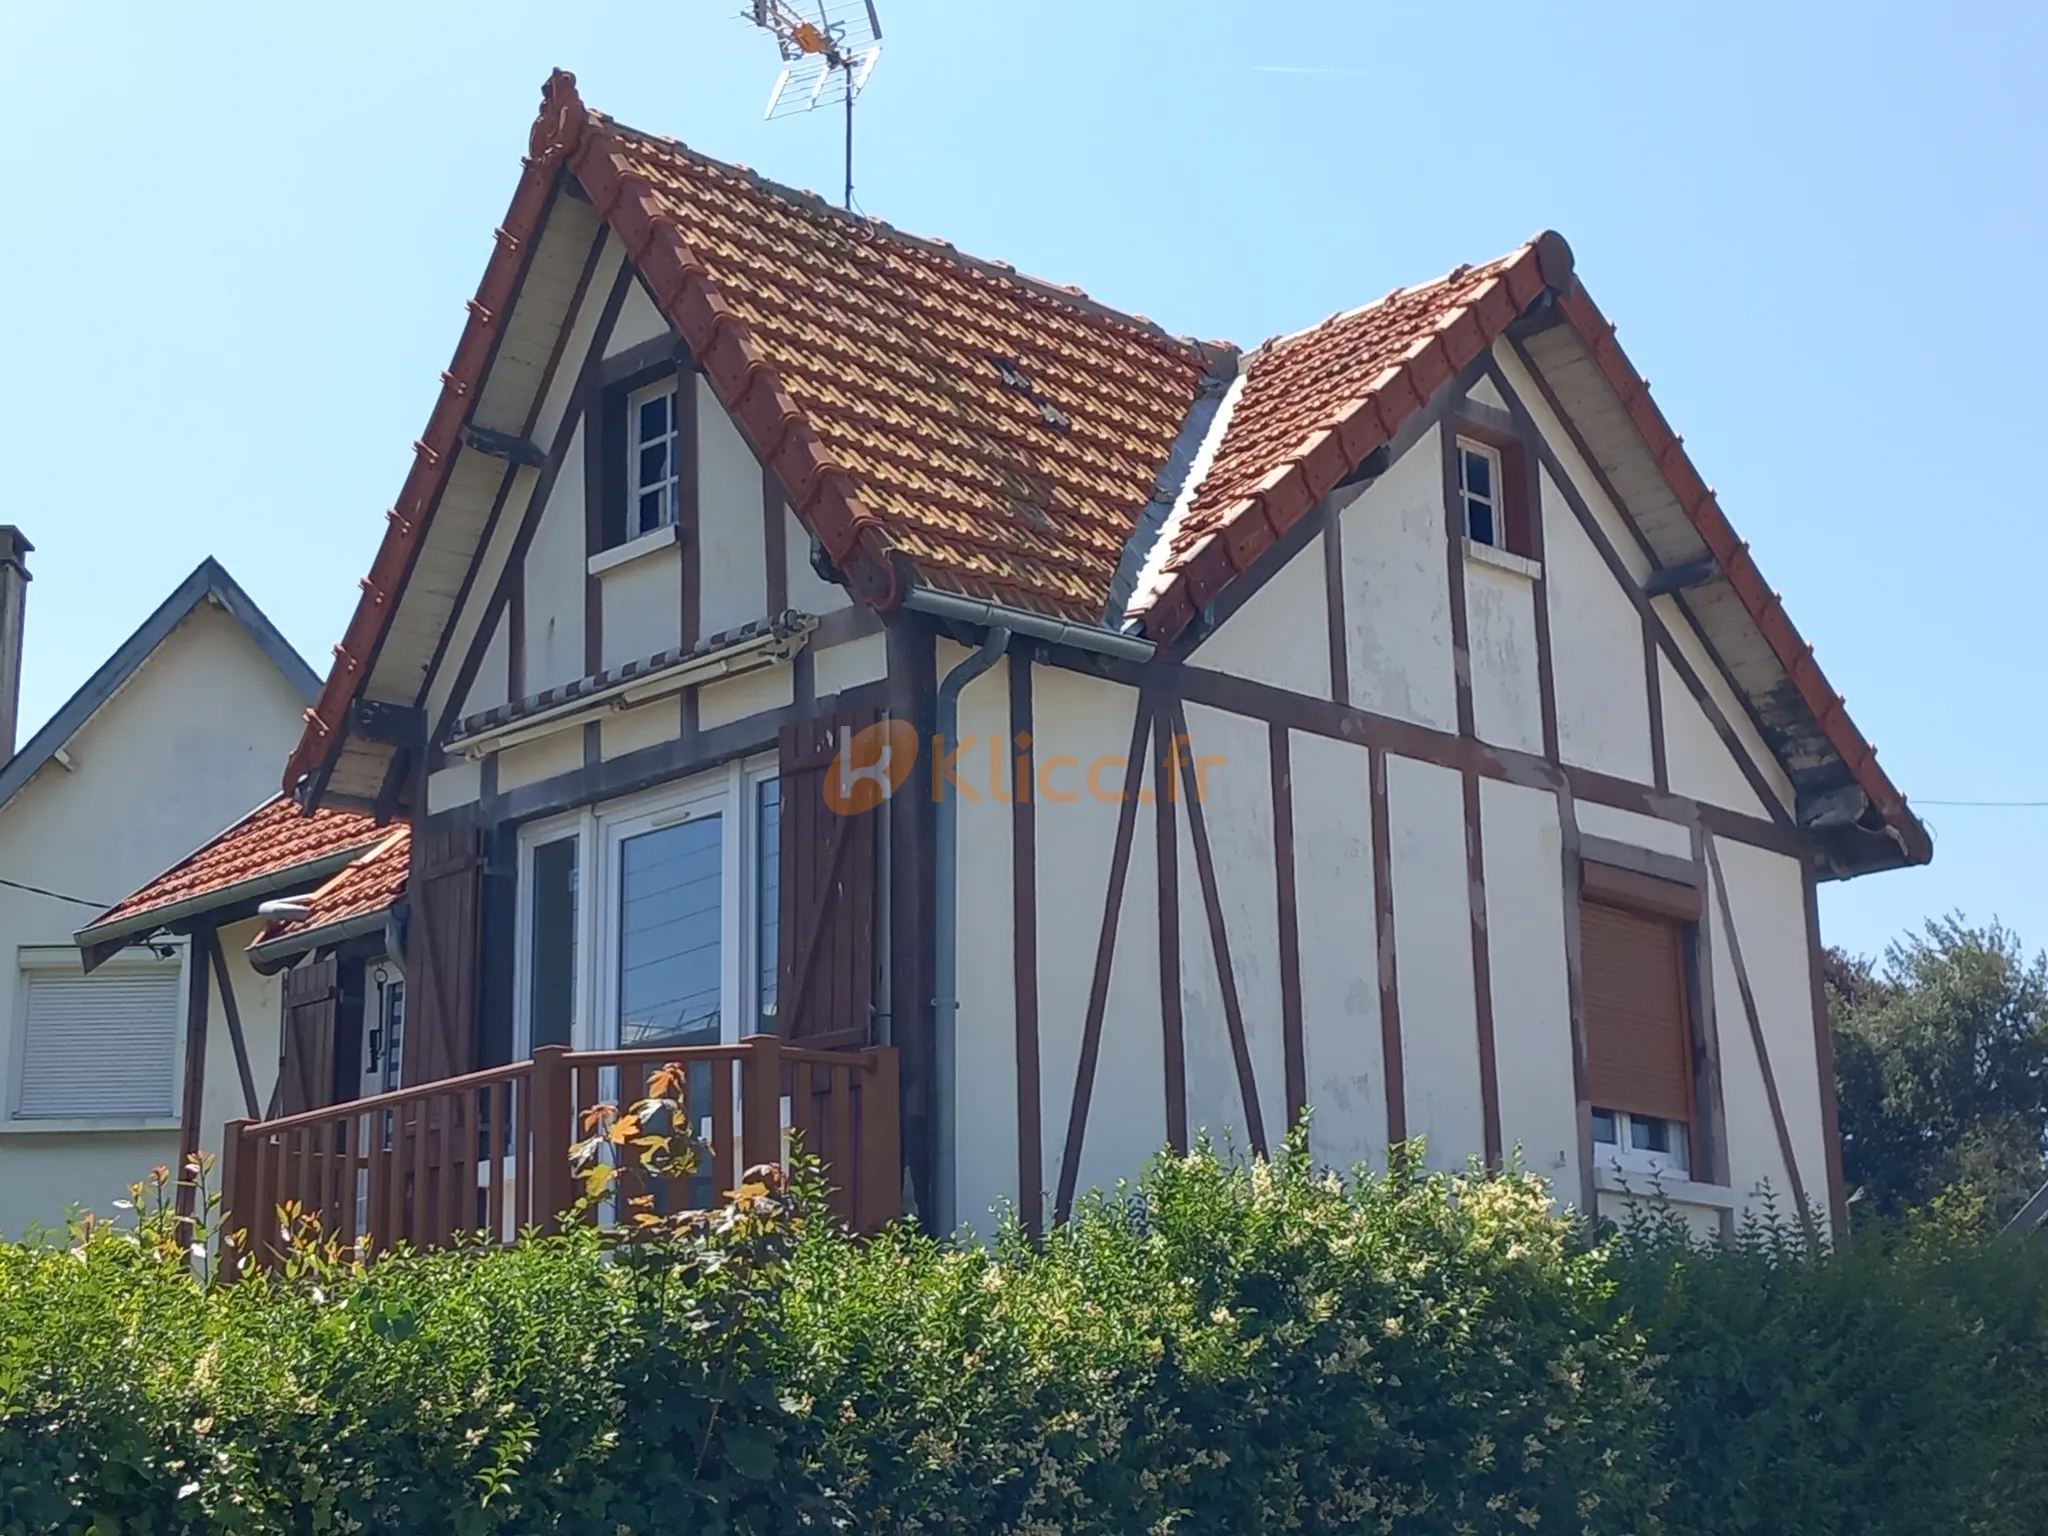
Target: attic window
[(1479, 492), (652, 480)]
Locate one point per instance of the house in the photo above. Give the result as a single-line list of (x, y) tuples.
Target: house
[(178, 732), (1022, 739), (317, 897)]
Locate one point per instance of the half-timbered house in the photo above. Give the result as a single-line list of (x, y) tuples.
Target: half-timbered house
[(1382, 722)]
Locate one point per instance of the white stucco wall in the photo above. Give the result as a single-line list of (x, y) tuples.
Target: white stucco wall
[(1766, 894), (732, 583), (1237, 810), (1699, 762), (1397, 614), (1281, 635), (1532, 1029), (1596, 651), (188, 746), (1500, 626), (555, 572), (1340, 987), (985, 1057), (1433, 936), (1089, 719)]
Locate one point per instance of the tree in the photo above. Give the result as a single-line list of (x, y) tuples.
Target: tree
[(1941, 1059)]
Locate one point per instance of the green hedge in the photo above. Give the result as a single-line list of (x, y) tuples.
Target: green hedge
[(1219, 1349)]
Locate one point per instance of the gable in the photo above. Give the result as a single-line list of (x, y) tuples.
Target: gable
[(187, 742), (937, 421)]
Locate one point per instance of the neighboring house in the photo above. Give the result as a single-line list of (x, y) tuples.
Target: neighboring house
[(1406, 734), (178, 732)]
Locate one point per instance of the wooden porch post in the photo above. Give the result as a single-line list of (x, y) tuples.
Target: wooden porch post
[(197, 944), (237, 1198), (761, 1102), (552, 1134)]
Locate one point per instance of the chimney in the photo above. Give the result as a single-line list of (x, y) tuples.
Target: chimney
[(13, 603)]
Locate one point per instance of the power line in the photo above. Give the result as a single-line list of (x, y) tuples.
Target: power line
[(37, 890), (1990, 805)]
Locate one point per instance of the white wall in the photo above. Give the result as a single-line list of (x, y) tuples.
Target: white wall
[(1090, 719), (1433, 938), (190, 745), (1281, 635), (1340, 985), (1500, 628), (1532, 1026), (1397, 609), (1596, 651)]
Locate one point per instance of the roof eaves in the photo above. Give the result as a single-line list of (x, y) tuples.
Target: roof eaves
[(267, 956), (208, 579), (1703, 509), (134, 926)]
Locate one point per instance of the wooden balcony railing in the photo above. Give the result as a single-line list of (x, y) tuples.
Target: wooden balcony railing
[(484, 1157)]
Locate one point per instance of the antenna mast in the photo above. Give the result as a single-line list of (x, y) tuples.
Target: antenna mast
[(826, 57)]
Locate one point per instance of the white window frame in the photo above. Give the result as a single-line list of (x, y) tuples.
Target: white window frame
[(730, 791), (1623, 1154), (33, 960), (1493, 501), (671, 488)]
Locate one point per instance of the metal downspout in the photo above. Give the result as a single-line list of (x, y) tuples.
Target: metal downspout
[(946, 924)]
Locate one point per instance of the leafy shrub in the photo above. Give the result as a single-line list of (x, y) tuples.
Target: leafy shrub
[(1216, 1349)]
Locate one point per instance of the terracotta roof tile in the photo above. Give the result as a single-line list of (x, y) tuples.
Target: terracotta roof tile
[(1002, 434), (943, 419), (370, 885), (1312, 405), (274, 838)]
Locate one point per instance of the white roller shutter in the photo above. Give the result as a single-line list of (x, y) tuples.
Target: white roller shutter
[(100, 1047)]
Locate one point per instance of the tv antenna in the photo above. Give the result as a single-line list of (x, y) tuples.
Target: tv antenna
[(829, 48)]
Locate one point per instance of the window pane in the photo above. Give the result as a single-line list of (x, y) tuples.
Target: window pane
[(654, 465), (669, 935), (654, 419), (653, 504), (1650, 1134), (1604, 1130), (768, 879), (1478, 521), (551, 978), (1478, 474)]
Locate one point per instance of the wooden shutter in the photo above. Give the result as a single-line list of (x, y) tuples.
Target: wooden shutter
[(825, 986), (305, 1075), (443, 937), (1638, 1039)]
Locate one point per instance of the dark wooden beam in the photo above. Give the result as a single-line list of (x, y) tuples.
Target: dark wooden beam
[(233, 1012), (194, 1100), (509, 446), (1667, 579), (396, 725)]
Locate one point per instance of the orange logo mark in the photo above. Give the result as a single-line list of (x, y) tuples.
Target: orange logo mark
[(869, 766)]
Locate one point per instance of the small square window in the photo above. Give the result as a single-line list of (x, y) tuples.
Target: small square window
[(1479, 492), (651, 482)]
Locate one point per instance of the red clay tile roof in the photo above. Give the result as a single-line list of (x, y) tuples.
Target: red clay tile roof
[(1312, 406), (368, 886), (273, 839), (937, 419), (928, 416)]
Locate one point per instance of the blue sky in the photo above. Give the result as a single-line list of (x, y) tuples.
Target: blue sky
[(239, 239)]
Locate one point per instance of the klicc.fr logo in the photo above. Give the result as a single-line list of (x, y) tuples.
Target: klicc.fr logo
[(869, 766)]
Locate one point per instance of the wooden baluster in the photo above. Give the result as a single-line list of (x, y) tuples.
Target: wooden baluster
[(720, 1168), (267, 1153), (404, 1177), (519, 1099), (377, 1219), (843, 1165), (499, 1098), (236, 1196)]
